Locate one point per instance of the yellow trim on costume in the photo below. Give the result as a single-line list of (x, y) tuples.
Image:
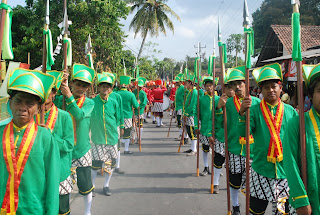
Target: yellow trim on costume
[(232, 185), (87, 191), (68, 103), (299, 197), (66, 213), (315, 127), (256, 212)]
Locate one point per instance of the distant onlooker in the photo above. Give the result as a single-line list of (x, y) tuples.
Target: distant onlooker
[(285, 98)]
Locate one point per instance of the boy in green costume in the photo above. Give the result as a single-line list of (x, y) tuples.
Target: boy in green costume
[(59, 123), (129, 101), (206, 130), (305, 202), (29, 156), (104, 131), (235, 77), (179, 98), (80, 109), (268, 121)]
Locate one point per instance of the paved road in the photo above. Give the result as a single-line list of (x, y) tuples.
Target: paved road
[(158, 181)]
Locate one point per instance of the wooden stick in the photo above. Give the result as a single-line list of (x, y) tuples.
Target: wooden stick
[(138, 135), (198, 115), (170, 124), (225, 132), (44, 70), (247, 133), (29, 58), (213, 125), (301, 117), (65, 53)]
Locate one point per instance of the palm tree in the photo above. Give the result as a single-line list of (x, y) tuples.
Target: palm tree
[(151, 18)]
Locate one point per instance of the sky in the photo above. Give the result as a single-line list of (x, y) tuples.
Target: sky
[(199, 23)]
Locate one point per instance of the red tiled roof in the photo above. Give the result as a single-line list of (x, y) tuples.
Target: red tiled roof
[(310, 36)]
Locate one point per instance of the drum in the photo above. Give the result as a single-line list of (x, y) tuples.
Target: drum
[(166, 103)]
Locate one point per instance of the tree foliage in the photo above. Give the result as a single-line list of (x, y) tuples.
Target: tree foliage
[(278, 12), (235, 43), (100, 19)]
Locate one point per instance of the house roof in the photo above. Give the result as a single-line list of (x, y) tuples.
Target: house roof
[(279, 38)]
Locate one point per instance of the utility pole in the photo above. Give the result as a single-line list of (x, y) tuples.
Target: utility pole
[(199, 47)]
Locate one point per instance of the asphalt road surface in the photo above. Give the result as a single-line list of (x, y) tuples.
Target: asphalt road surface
[(158, 181)]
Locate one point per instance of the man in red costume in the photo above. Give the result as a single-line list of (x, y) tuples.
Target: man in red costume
[(157, 107), (172, 97)]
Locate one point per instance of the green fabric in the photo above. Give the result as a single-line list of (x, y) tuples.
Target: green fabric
[(7, 52), (261, 135), (90, 60), (196, 72), (49, 46), (310, 73), (63, 137), (292, 164), (220, 43), (82, 73), (102, 78), (250, 45), (235, 74), (143, 101), (201, 93), (179, 98), (82, 117), (190, 109), (126, 80), (225, 57), (137, 72), (296, 37), (186, 72), (268, 72), (232, 124), (206, 118), (206, 79), (210, 64), (39, 186), (31, 81), (112, 75), (118, 98), (104, 118), (58, 78), (69, 50), (129, 101)]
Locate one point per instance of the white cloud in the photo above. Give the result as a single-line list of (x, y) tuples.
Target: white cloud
[(185, 32)]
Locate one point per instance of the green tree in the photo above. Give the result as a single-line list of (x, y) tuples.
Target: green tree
[(235, 42), (99, 18), (151, 18), (278, 12)]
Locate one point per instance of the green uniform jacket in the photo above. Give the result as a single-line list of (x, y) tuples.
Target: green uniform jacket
[(206, 118), (128, 101), (143, 101), (232, 125), (104, 121), (201, 92), (118, 98), (82, 117), (39, 186), (292, 164), (261, 135), (63, 136), (190, 109), (179, 98)]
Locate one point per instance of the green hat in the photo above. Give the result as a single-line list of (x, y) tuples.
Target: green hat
[(31, 81), (102, 78), (268, 72), (190, 78), (236, 74), (225, 79), (141, 81), (209, 79), (126, 80), (179, 77), (113, 76), (58, 78), (82, 73), (310, 73)]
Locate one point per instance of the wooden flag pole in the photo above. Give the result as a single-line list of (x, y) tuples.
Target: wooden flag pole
[(225, 125), (213, 124), (139, 130), (198, 114), (301, 116)]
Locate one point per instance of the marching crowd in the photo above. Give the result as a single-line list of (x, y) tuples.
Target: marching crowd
[(58, 136)]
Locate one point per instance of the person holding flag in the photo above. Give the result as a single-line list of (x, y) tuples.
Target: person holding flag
[(80, 109), (29, 156), (59, 123), (236, 141), (129, 102), (104, 131), (206, 130), (157, 107), (305, 201), (268, 121)]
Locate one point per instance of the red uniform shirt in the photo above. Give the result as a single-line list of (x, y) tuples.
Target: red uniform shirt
[(173, 93), (158, 94)]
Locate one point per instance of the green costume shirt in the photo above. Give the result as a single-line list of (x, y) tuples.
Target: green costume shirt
[(179, 98), (206, 118), (201, 92), (118, 98), (261, 135), (232, 125), (292, 164), (104, 121), (143, 101), (191, 109), (39, 186), (82, 117), (128, 101), (63, 136)]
